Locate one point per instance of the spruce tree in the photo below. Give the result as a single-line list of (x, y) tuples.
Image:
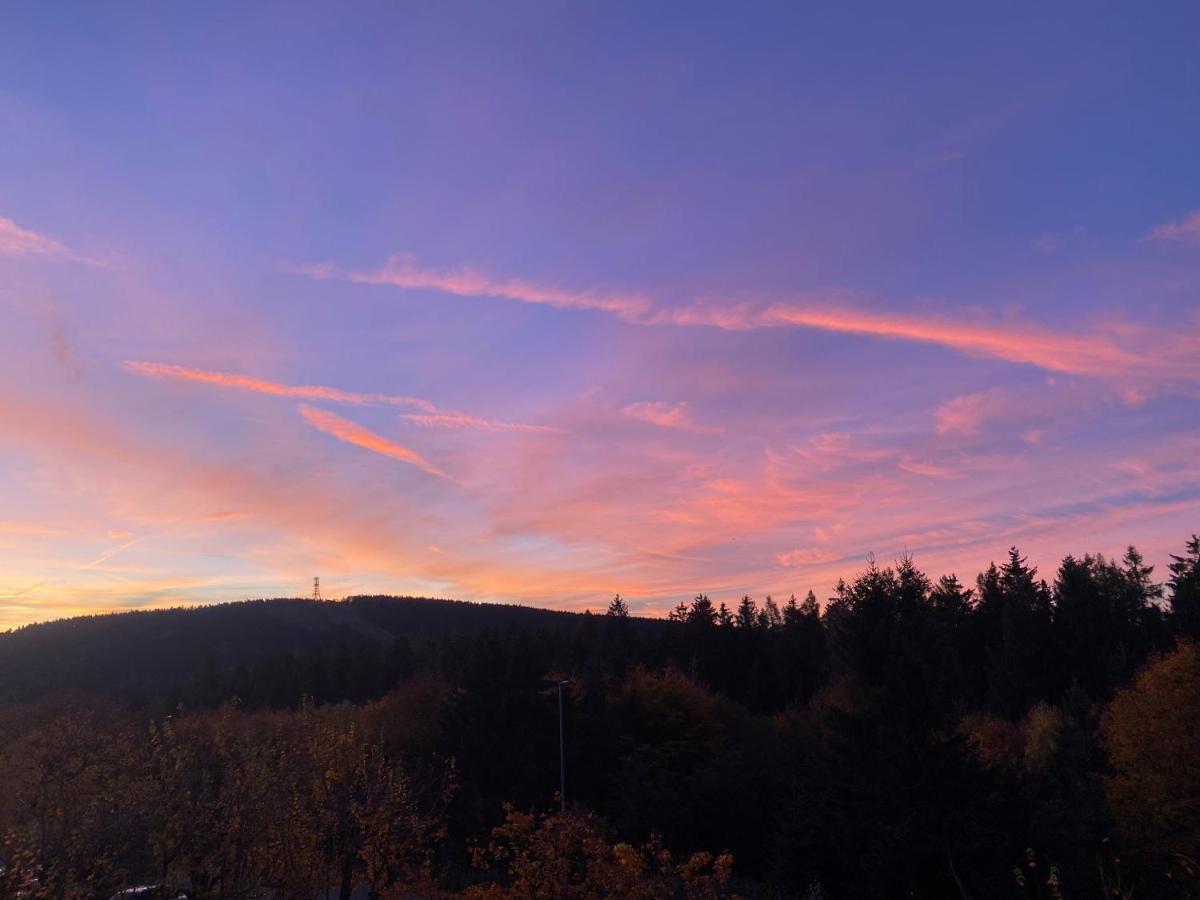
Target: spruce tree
[(747, 613), (1185, 589), (702, 612), (791, 613), (618, 608)]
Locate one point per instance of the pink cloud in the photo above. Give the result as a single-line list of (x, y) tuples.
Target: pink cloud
[(666, 415), (18, 241), (450, 419), (402, 271), (807, 556), (826, 534), (1186, 230), (431, 416), (927, 469), (353, 433), (1053, 351), (687, 506), (274, 388), (966, 414), (225, 516)]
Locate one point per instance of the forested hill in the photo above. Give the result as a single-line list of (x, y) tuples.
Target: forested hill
[(143, 654)]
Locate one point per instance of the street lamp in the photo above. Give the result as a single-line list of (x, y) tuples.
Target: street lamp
[(562, 753)]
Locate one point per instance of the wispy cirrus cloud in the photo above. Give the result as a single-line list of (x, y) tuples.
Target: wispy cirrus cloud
[(23, 591), (666, 415), (431, 415), (353, 433), (1117, 352), (274, 388), (110, 553), (1054, 351), (807, 556), (1185, 230), (402, 271), (449, 419), (18, 241)]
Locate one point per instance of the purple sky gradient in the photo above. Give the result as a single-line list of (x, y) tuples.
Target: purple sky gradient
[(543, 302)]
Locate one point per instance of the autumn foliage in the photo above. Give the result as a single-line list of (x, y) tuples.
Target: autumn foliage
[(1152, 730), (567, 856)]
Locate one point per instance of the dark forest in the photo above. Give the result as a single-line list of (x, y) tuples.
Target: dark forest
[(1028, 735)]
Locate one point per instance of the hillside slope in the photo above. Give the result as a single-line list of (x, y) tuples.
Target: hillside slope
[(138, 654)]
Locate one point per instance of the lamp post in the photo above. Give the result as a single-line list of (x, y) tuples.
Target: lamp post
[(562, 753)]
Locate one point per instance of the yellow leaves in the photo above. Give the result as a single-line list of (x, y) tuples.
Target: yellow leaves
[(1043, 726), (1152, 731)]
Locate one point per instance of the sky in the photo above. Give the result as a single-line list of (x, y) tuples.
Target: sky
[(542, 302)]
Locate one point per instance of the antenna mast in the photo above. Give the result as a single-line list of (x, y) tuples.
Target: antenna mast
[(316, 594)]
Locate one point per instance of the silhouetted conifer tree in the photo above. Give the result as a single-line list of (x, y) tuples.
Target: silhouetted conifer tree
[(747, 613), (1015, 611), (702, 613), (617, 608), (791, 613), (769, 616), (1185, 589)]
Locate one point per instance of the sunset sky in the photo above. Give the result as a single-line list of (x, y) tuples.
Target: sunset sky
[(540, 302)]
